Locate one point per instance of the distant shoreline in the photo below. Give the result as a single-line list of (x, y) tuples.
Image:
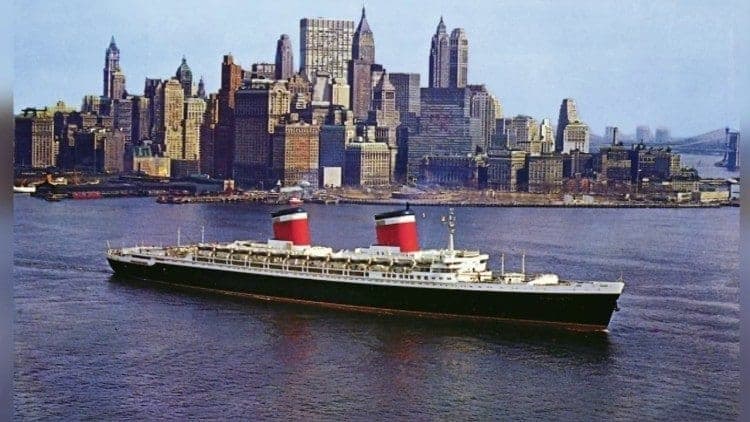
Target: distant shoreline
[(431, 203)]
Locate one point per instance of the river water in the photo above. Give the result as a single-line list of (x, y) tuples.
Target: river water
[(90, 346)]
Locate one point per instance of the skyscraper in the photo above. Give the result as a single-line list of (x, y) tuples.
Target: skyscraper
[(231, 80), (111, 63), (446, 127), (662, 135), (174, 97), (440, 58), (576, 137), (407, 93), (643, 134), (568, 113), (117, 84), (360, 69), (458, 58), (201, 89), (34, 138), (259, 107), (363, 42), (325, 44), (185, 76), (483, 107), (611, 135), (284, 58)]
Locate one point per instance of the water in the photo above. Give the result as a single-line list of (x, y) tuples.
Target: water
[(88, 346), (705, 165)]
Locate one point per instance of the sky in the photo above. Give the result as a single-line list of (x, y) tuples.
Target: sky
[(626, 63)]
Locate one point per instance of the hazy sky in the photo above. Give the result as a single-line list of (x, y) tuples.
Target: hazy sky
[(661, 63)]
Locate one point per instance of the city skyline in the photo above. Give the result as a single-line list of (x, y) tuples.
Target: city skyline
[(689, 89)]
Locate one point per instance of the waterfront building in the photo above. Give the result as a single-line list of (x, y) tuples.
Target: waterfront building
[(545, 173), (231, 80), (576, 137), (367, 164), (662, 135), (568, 114), (446, 127), (451, 171), (611, 135), (99, 150), (333, 141), (144, 161), (111, 64), (577, 163), (284, 58), (458, 58), (34, 138), (614, 166), (259, 107), (502, 138), (325, 44), (439, 72), (173, 114), (650, 163), (505, 170), (295, 153), (185, 76), (643, 134), (263, 70)]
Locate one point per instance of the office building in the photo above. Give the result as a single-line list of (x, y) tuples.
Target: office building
[(325, 44)]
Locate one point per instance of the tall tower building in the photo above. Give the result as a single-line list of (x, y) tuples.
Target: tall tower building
[(117, 84), (201, 88), (284, 58), (363, 43), (643, 134), (662, 135), (360, 69), (174, 97), (440, 58), (325, 44), (386, 118), (111, 63), (459, 59), (547, 136), (576, 137), (185, 76), (231, 80), (568, 113), (259, 108), (611, 135), (34, 138), (195, 110)]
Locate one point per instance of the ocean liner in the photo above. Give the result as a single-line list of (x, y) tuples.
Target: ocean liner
[(394, 275)]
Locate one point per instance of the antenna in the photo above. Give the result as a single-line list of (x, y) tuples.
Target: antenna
[(178, 236), (203, 234), (523, 263), (502, 264)]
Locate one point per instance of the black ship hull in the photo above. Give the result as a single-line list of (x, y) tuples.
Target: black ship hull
[(585, 311)]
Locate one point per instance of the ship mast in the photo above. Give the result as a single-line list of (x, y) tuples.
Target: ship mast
[(450, 222)]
